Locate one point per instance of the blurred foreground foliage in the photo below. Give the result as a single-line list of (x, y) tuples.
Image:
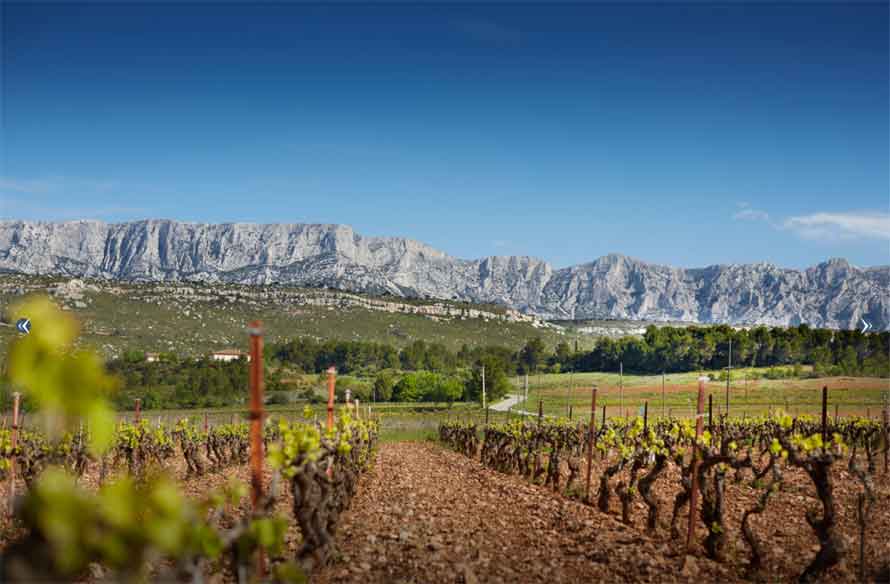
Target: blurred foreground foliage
[(136, 527)]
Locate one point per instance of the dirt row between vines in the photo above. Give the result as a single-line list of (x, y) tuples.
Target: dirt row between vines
[(427, 514)]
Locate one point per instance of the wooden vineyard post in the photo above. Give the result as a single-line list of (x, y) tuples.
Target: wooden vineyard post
[(484, 403), (693, 496), (591, 436), (824, 414), (603, 425), (662, 394), (256, 423), (525, 401), (138, 415), (16, 397), (646, 415), (728, 376), (711, 413), (206, 425), (332, 374), (621, 388), (570, 392), (886, 420), (540, 412)]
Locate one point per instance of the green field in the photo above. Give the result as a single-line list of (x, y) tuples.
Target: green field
[(556, 392), (852, 395)]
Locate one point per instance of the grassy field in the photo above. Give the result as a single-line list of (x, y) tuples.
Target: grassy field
[(851, 395), (621, 395)]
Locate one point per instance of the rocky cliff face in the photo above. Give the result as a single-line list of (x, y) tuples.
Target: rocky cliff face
[(833, 294)]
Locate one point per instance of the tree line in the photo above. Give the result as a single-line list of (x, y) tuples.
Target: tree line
[(660, 349), (172, 382), (695, 348)]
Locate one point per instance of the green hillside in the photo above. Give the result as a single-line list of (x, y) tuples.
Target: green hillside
[(150, 317)]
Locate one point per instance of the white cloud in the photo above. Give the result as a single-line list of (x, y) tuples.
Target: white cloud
[(748, 214), (828, 226), (833, 226)]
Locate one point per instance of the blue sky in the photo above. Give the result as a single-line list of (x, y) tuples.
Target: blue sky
[(688, 134)]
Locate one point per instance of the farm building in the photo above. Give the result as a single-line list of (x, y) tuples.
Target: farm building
[(229, 355)]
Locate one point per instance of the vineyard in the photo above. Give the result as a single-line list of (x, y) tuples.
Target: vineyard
[(314, 475), (91, 498), (764, 485)]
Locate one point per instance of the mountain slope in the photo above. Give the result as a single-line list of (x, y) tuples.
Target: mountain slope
[(832, 294)]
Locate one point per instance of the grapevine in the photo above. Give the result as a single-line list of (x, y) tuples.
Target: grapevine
[(754, 451)]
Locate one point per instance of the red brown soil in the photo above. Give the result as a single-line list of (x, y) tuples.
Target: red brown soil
[(427, 514), (738, 386), (424, 513)]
